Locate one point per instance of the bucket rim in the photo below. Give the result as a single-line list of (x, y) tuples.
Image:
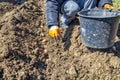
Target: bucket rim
[(81, 15)]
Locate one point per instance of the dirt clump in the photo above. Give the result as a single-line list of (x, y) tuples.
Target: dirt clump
[(28, 53), (21, 50), (5, 7)]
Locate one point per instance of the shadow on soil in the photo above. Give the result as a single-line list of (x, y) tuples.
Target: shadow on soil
[(68, 33), (15, 2), (1, 73), (115, 49)]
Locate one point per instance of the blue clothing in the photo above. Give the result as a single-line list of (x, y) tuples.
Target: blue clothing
[(69, 8)]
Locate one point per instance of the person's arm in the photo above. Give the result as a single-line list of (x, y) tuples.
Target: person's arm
[(52, 13)]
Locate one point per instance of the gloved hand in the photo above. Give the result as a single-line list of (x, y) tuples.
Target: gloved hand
[(108, 6), (55, 32)]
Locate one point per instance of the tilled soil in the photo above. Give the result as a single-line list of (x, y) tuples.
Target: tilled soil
[(28, 53)]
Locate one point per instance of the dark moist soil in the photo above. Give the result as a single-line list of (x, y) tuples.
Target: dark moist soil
[(28, 53)]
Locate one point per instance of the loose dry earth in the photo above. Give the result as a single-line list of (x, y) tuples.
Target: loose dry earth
[(28, 53)]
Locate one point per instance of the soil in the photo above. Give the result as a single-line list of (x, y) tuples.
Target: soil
[(28, 53)]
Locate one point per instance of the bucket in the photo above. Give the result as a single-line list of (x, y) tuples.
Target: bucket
[(98, 27)]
